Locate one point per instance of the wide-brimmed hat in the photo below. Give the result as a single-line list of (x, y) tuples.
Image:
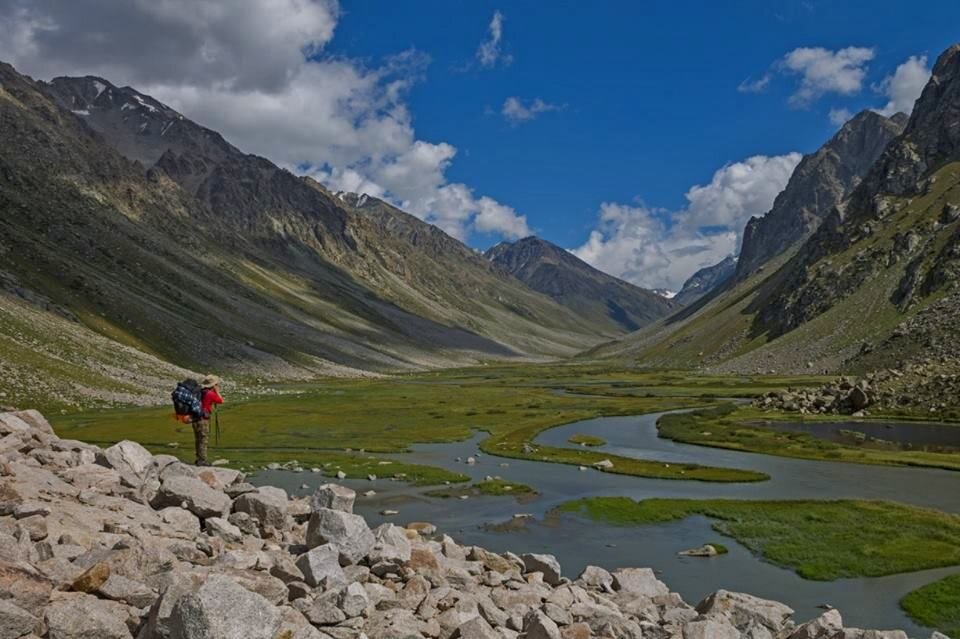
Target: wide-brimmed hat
[(210, 381)]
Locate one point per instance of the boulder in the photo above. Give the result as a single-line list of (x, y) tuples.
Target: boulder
[(537, 625), (15, 621), (393, 624), (325, 609), (285, 569), (128, 591), (390, 545), (24, 586), (192, 494), (348, 533), (546, 564), (741, 609), (128, 458), (638, 582), (596, 577), (709, 629), (475, 628), (321, 566), (353, 600), (267, 504), (218, 527), (222, 609), (334, 497), (180, 519), (86, 617), (826, 626)]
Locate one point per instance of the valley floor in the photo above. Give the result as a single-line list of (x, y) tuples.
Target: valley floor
[(363, 427)]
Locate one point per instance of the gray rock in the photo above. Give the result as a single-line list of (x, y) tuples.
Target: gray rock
[(823, 627), (222, 609), (390, 545), (15, 621), (120, 588), (596, 577), (353, 600), (741, 609), (393, 624), (128, 458), (348, 533), (285, 569), (475, 628), (321, 566), (86, 617), (325, 610), (218, 527), (245, 523), (537, 625), (181, 519), (638, 582), (546, 564), (334, 497), (194, 495), (709, 629), (268, 504)]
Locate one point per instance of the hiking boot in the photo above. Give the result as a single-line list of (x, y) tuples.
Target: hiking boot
[(202, 462)]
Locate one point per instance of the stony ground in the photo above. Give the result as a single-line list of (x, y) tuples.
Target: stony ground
[(119, 543)]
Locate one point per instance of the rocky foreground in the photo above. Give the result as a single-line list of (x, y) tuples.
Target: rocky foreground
[(118, 543)]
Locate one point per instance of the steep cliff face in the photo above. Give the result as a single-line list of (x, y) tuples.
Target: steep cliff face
[(611, 304), (900, 222), (857, 294), (820, 182)]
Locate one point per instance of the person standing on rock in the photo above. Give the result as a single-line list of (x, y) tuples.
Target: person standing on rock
[(209, 398)]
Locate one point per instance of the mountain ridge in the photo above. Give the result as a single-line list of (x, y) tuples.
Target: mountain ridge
[(610, 302)]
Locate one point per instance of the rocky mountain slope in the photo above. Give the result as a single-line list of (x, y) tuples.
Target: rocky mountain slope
[(706, 280), (611, 304), (820, 182), (210, 258), (117, 543), (879, 258)]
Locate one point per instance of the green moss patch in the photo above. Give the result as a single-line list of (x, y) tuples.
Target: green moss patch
[(587, 440), (936, 605), (820, 540)]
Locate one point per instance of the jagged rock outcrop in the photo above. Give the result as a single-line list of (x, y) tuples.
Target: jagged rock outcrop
[(894, 218), (820, 182), (610, 302), (706, 280), (88, 558)]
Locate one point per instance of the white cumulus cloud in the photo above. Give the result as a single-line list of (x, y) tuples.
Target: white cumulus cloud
[(517, 110), (255, 70), (824, 71), (657, 248), (904, 86)]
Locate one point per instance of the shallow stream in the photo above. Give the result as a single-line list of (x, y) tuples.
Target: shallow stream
[(867, 602)]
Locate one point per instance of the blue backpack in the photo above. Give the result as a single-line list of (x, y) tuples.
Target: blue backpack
[(186, 399)]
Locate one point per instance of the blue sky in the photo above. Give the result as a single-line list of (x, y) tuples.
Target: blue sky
[(643, 134), (647, 92)]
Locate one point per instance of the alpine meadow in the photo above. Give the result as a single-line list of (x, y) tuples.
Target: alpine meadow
[(339, 319)]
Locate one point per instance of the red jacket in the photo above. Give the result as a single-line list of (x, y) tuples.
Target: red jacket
[(208, 399)]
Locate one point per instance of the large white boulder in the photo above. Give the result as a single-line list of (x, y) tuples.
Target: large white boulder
[(348, 533), (222, 609)]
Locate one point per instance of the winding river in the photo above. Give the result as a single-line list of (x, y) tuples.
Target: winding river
[(867, 602)]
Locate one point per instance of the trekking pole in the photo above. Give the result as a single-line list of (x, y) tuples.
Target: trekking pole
[(216, 420)]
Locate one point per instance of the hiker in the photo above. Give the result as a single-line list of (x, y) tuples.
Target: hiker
[(209, 397)]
